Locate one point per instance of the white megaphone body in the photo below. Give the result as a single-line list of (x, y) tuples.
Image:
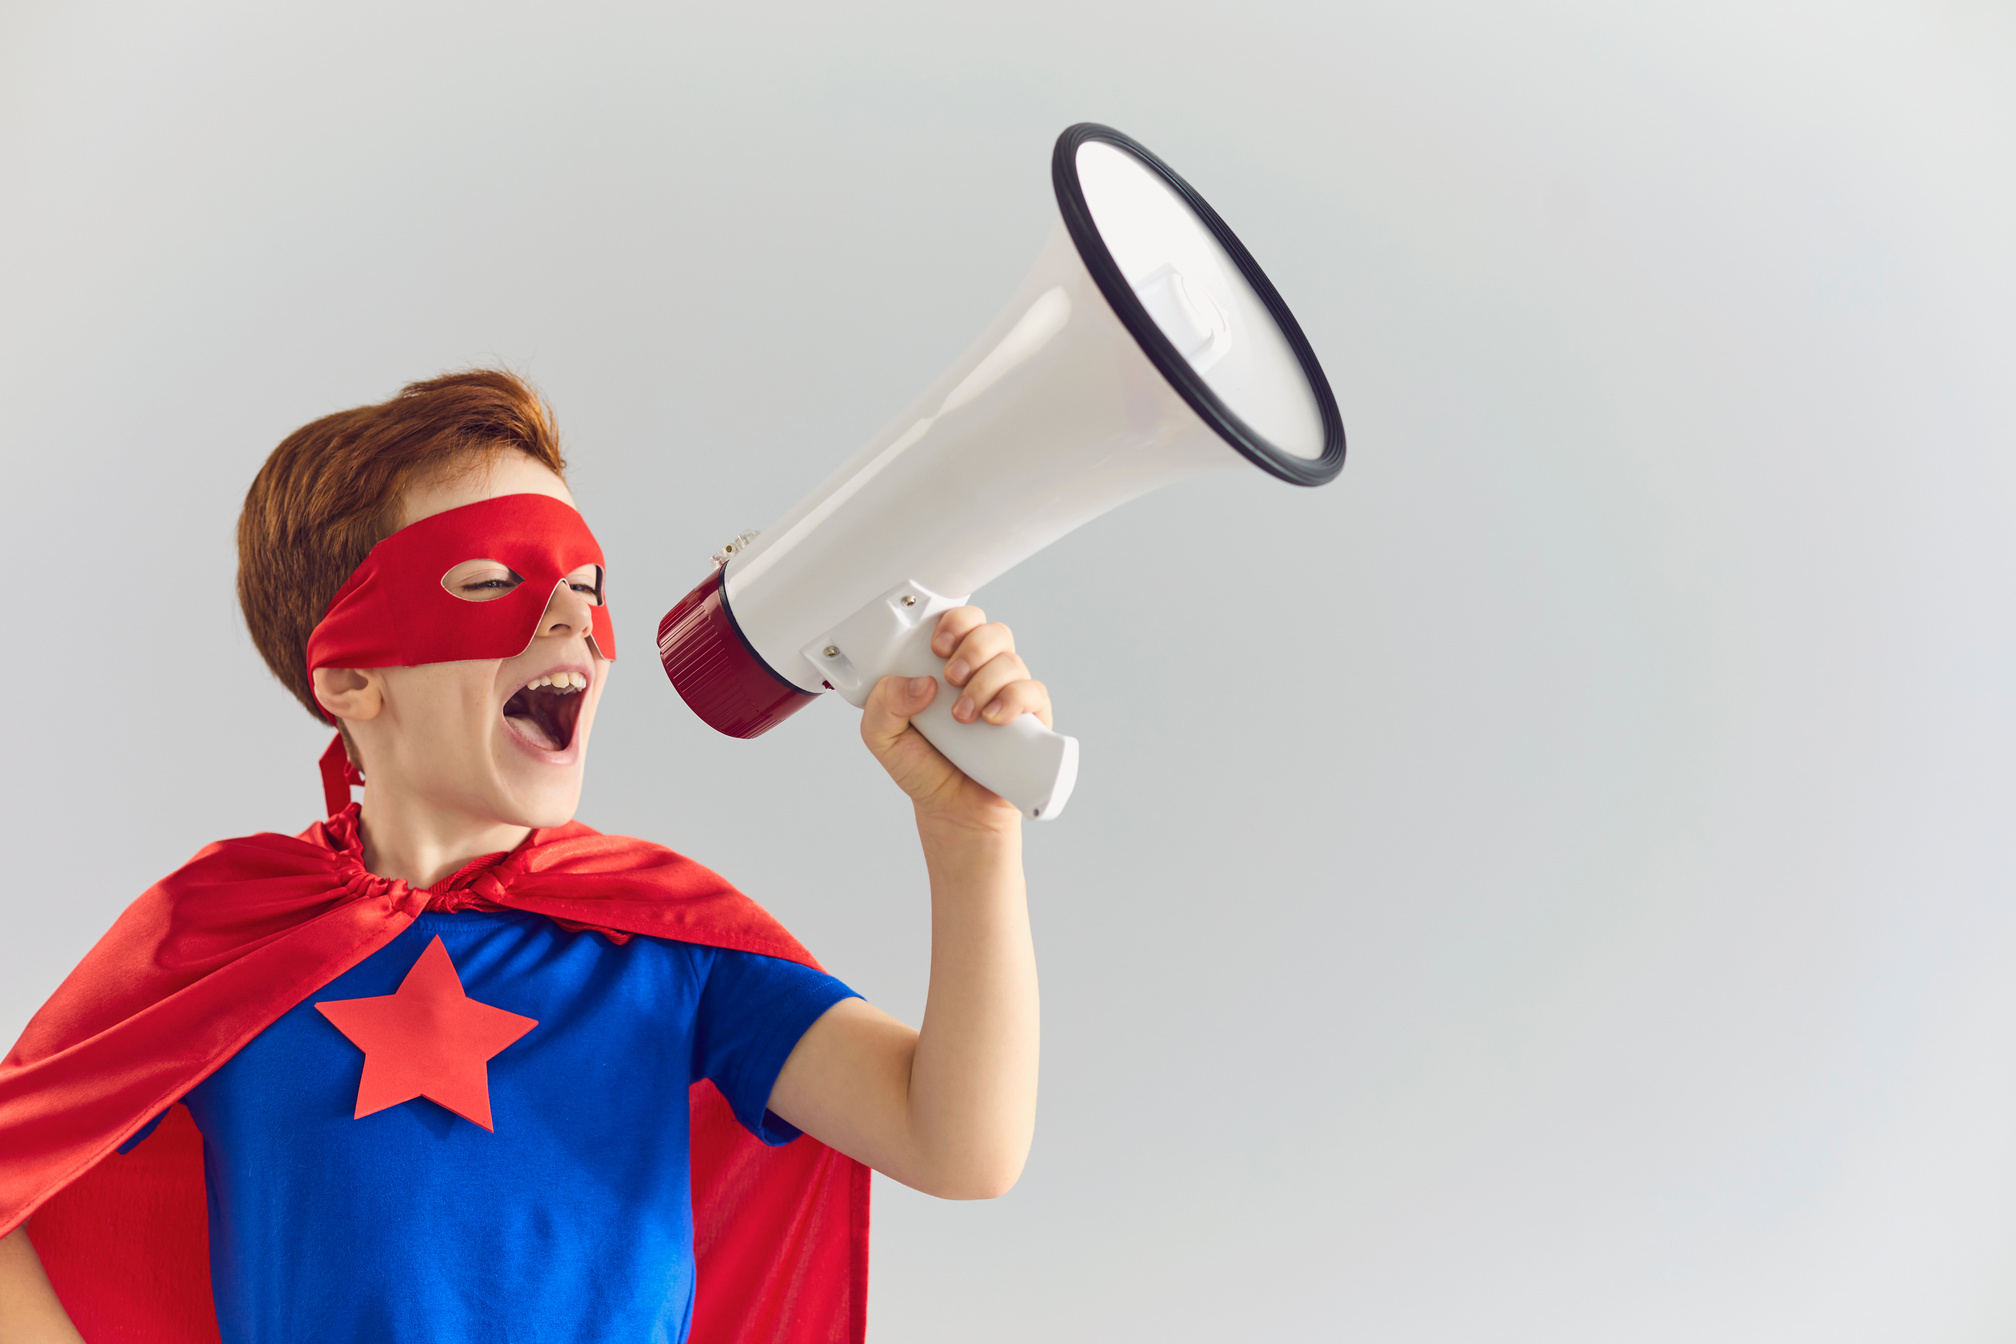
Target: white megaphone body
[(1145, 347)]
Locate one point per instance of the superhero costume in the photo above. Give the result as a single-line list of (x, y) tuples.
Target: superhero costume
[(251, 929)]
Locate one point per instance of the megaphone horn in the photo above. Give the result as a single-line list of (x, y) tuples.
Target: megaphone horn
[(1145, 346)]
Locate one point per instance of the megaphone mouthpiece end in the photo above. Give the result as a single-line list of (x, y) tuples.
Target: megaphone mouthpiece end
[(719, 676)]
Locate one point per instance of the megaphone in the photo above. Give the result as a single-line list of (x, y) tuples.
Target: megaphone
[(1146, 346)]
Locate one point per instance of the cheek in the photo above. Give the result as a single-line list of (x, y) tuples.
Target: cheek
[(595, 692), (443, 703)]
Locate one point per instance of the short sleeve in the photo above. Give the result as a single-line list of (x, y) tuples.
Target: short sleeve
[(752, 1011)]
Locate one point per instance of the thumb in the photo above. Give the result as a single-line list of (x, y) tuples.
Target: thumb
[(886, 716)]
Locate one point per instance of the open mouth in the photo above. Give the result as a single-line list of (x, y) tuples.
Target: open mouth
[(545, 710)]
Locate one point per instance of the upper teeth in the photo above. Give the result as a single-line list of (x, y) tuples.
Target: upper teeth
[(559, 681)]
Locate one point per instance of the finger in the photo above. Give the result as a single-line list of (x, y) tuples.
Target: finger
[(986, 683), (953, 627), (887, 714), (1017, 698), (980, 646)]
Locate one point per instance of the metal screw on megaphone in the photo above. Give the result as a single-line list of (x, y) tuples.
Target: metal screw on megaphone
[(734, 548)]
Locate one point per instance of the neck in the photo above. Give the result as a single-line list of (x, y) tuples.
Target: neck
[(420, 846)]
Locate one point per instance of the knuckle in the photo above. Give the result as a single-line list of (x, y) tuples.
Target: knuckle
[(1000, 672), (982, 650)]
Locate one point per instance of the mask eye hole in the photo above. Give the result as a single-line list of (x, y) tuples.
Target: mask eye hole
[(480, 580), (587, 581)]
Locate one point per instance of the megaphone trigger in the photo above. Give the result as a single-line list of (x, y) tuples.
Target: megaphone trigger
[(1029, 765)]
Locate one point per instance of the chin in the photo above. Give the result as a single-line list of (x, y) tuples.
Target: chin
[(544, 791), (538, 799), (548, 815)]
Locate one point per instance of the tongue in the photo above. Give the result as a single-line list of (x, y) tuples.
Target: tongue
[(532, 731)]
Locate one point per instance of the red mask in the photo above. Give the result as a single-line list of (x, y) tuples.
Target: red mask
[(394, 611)]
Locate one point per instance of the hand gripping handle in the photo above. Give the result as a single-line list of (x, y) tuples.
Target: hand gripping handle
[(1026, 763)]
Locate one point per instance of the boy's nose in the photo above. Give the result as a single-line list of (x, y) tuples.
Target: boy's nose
[(566, 612)]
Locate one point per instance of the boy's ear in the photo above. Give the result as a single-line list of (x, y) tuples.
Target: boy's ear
[(349, 692)]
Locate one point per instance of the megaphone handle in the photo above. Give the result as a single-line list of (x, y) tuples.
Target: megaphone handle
[(1029, 765)]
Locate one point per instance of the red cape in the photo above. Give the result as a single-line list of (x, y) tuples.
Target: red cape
[(213, 954)]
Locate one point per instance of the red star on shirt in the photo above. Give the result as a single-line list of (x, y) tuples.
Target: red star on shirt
[(428, 1040)]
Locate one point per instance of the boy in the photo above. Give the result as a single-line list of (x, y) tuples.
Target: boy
[(441, 1047)]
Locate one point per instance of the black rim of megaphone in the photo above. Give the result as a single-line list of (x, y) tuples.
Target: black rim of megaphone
[(1158, 347)]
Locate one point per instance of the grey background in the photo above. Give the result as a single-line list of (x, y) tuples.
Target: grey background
[(1553, 884)]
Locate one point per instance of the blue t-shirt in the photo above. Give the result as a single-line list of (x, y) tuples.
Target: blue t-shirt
[(571, 1222)]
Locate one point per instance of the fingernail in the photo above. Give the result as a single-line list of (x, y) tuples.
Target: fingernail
[(963, 711), (956, 671), (919, 685)]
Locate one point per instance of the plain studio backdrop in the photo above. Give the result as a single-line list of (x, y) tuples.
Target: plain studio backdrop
[(1553, 884)]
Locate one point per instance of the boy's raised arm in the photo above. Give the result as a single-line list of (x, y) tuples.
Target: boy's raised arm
[(948, 1109)]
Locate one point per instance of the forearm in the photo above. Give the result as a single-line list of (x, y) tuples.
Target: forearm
[(972, 1085), (948, 1110), (29, 1311)]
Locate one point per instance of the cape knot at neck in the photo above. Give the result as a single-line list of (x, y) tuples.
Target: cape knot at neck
[(361, 885), (475, 887), (460, 899)]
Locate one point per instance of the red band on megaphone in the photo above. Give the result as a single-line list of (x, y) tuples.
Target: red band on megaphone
[(715, 671)]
